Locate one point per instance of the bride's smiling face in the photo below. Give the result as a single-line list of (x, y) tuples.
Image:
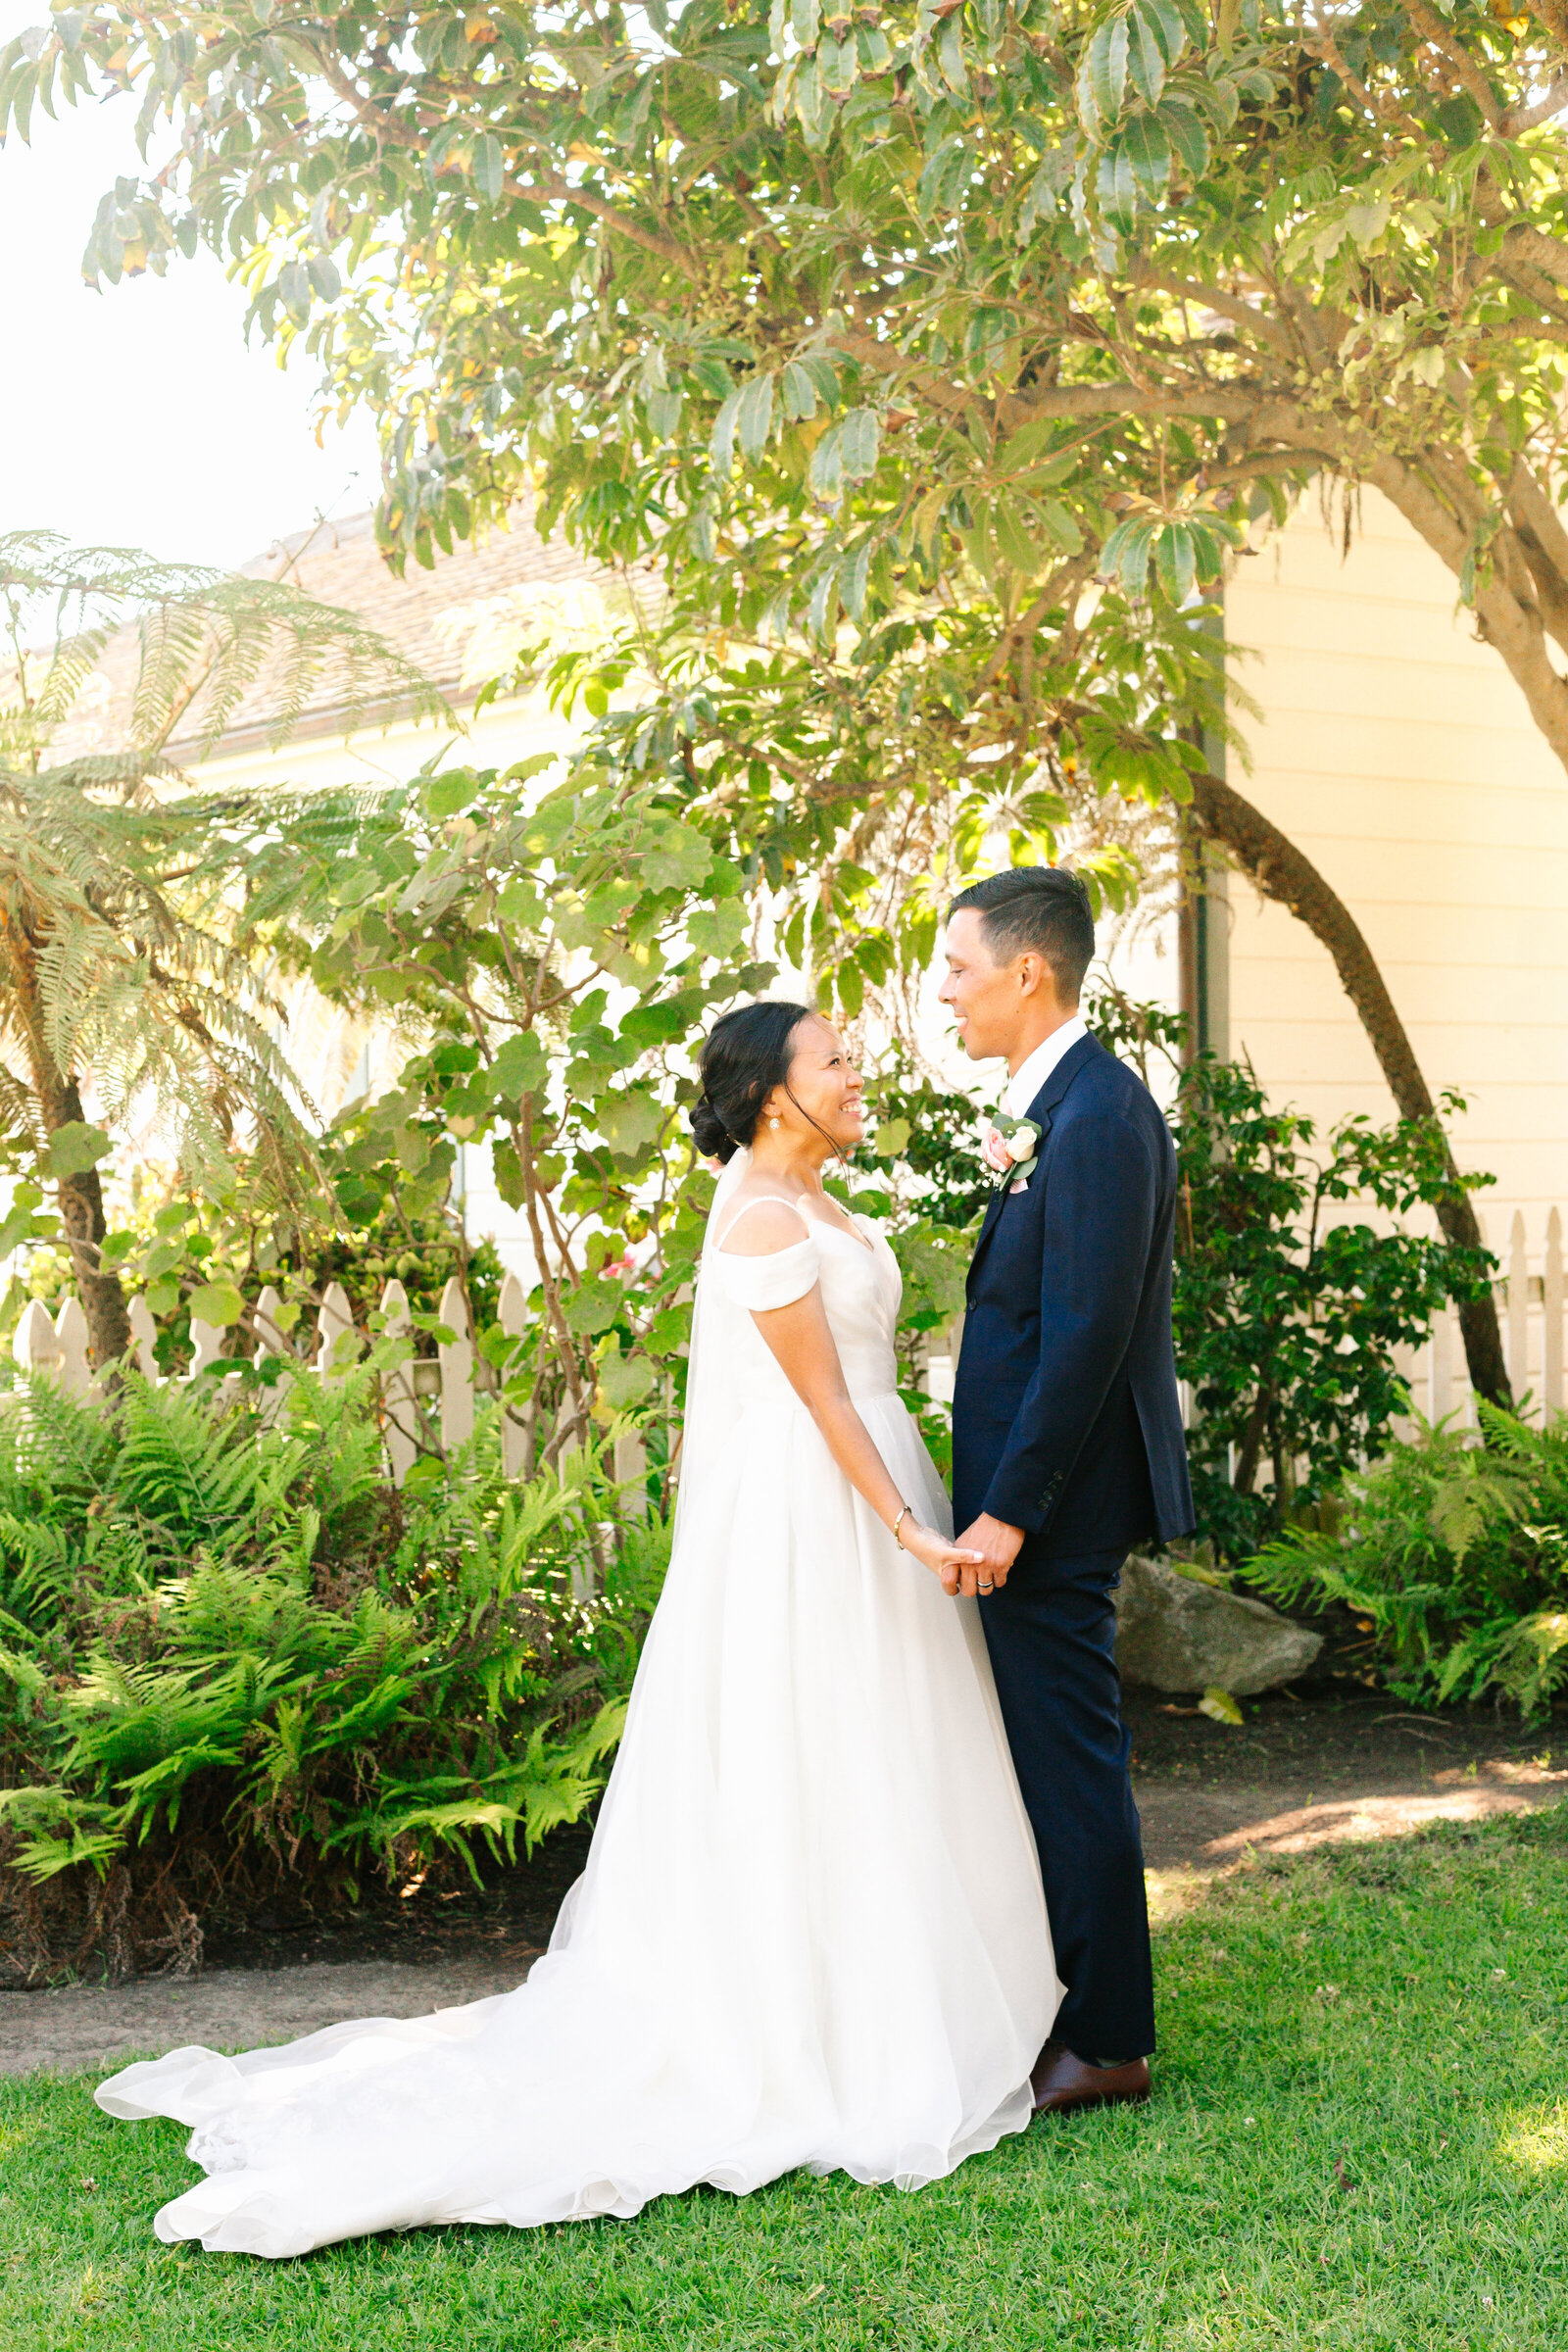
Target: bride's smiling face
[(826, 1085)]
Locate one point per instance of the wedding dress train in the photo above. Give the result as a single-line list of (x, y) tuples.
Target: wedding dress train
[(810, 1930)]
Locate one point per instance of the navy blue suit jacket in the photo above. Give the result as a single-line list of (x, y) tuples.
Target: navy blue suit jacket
[(1065, 1417)]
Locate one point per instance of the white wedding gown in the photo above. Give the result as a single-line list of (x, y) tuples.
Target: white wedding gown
[(810, 1930)]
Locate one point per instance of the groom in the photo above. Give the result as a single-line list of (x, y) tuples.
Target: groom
[(1067, 1447)]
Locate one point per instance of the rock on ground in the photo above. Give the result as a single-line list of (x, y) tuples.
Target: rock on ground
[(1176, 1634)]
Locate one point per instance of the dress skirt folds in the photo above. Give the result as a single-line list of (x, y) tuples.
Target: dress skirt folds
[(810, 1930)]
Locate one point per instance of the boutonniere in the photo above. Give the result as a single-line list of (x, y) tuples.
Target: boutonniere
[(1010, 1148)]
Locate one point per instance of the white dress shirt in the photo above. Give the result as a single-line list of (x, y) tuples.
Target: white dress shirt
[(1026, 1082)]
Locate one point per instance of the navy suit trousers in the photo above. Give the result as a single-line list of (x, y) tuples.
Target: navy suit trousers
[(1051, 1630)]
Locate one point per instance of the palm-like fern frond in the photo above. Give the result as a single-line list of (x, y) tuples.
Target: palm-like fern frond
[(299, 1670), (121, 950), (73, 600), (196, 643)]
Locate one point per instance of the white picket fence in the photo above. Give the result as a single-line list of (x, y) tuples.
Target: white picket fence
[(1531, 1303), (1530, 1308), (57, 1348)]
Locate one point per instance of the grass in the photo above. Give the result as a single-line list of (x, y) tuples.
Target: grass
[(1361, 2139)]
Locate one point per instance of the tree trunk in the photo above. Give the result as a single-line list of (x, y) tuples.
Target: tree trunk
[(81, 1212), (81, 1195), (1275, 867)]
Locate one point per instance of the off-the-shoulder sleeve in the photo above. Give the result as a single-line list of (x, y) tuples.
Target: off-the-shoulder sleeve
[(777, 1280)]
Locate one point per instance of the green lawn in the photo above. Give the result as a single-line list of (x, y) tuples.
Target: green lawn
[(1360, 2138)]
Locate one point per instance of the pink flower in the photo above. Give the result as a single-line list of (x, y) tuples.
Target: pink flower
[(994, 1149)]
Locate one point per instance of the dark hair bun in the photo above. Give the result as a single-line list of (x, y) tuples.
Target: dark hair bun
[(743, 1057), (707, 1130)]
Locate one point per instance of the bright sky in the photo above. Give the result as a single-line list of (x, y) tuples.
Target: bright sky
[(139, 416)]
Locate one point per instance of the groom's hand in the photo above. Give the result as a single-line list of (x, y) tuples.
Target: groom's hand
[(998, 1545)]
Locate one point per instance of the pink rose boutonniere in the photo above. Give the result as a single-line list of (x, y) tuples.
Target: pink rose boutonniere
[(1010, 1148)]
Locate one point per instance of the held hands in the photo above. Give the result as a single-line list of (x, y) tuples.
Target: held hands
[(979, 1562), (993, 1545), (945, 1559)]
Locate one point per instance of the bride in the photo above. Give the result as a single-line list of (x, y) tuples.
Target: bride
[(810, 1930)]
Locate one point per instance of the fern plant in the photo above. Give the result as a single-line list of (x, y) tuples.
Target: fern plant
[(1457, 1555), (118, 958), (233, 1649)]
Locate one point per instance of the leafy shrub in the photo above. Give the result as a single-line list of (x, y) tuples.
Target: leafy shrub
[(170, 1244), (1287, 1308), (232, 1654), (929, 1133), (1458, 1556)]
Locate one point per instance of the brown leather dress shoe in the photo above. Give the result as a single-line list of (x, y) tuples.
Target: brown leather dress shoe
[(1061, 2080)]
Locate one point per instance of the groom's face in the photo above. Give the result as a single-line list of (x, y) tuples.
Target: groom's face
[(986, 998)]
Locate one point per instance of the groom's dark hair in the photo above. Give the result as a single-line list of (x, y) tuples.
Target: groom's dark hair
[(1042, 907)]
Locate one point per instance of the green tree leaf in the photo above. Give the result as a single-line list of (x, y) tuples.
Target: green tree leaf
[(838, 65), (799, 392), (1187, 138), (859, 443), (1146, 58), (754, 416), (629, 1123), (1015, 542), (1148, 150), (723, 437), (718, 930), (1116, 185), (1106, 69), (625, 1382), (448, 794), (520, 1066), (215, 1302), (1176, 562), (75, 1147), (487, 167)]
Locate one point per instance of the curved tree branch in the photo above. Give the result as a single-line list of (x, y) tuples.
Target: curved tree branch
[(1520, 118), (1276, 868), (1466, 69)]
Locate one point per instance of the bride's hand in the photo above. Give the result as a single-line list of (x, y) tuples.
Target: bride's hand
[(939, 1553)]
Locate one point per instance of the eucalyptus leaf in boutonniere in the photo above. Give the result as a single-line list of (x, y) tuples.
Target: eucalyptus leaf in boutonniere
[(1010, 1148)]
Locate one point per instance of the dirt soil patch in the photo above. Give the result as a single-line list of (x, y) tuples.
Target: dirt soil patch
[(1328, 1767), (1297, 1773)]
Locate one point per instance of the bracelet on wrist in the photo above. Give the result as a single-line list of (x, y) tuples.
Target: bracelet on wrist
[(907, 1513)]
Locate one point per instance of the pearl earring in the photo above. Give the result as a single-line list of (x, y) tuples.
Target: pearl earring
[(773, 1123)]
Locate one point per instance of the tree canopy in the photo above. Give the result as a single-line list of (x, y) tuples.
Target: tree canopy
[(818, 308), (930, 356)]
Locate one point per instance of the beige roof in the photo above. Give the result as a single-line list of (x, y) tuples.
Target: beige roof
[(461, 624), (457, 621)]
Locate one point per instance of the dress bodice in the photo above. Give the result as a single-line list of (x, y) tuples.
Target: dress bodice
[(860, 1288)]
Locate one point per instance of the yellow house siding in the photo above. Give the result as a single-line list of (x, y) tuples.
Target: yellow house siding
[(1398, 753)]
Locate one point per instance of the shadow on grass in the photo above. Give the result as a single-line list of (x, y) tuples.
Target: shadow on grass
[(1357, 2140)]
